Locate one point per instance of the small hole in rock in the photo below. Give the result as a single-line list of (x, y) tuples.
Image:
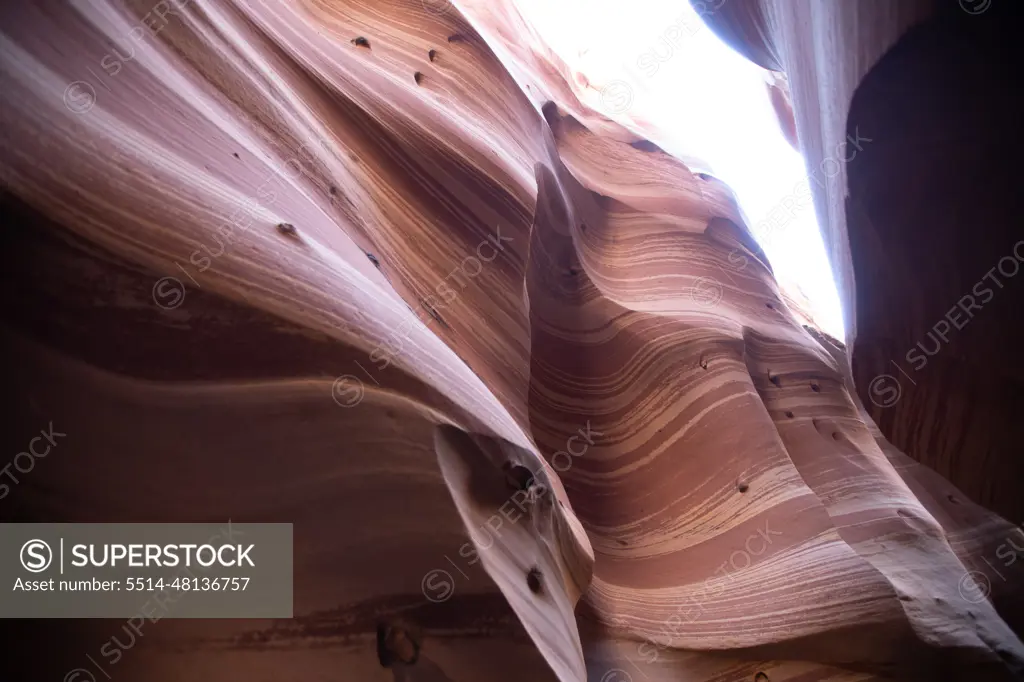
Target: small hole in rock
[(333, 190), (435, 315), (583, 227), (395, 644), (373, 259), (518, 477), (645, 146), (743, 487), (953, 499), (703, 363), (455, 38), (761, 677), (816, 388), (533, 580), (769, 306), (431, 54), (775, 379), (361, 42), (236, 155), (418, 77), (703, 176), (789, 415), (383, 655), (286, 229), (550, 112)]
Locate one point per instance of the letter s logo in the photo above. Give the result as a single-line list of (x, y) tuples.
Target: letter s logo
[(36, 556)]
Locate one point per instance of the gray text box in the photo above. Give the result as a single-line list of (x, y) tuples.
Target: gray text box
[(148, 570)]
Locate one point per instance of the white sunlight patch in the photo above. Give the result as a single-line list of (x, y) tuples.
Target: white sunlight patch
[(655, 61)]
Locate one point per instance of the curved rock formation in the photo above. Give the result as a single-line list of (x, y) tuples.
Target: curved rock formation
[(922, 346), (528, 390)]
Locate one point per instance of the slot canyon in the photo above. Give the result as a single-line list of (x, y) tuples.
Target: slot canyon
[(525, 384)]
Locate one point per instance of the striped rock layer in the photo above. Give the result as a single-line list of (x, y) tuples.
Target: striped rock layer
[(527, 389)]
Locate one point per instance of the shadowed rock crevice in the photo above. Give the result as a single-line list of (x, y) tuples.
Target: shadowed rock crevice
[(943, 330)]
